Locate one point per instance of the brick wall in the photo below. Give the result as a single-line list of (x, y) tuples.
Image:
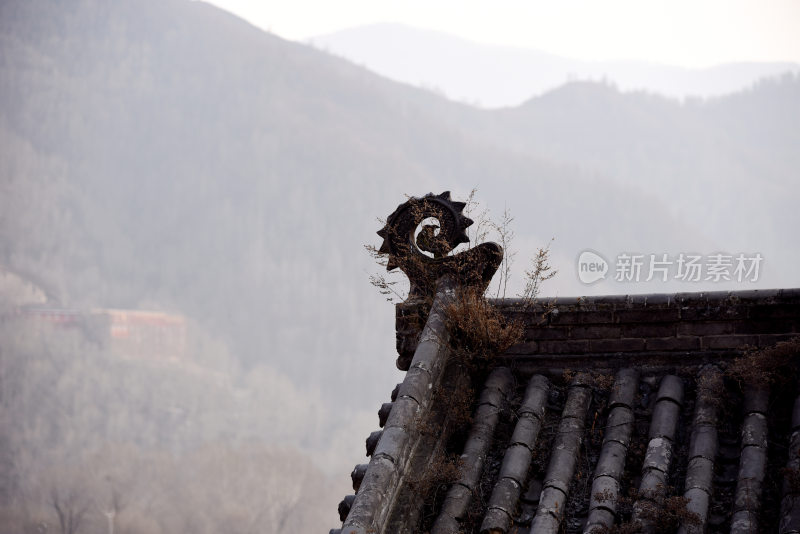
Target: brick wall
[(655, 328)]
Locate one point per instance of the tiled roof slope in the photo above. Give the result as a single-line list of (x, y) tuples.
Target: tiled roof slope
[(614, 414)]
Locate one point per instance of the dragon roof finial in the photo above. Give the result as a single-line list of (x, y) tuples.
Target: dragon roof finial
[(406, 247)]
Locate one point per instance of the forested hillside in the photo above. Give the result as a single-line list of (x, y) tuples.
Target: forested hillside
[(163, 154), (147, 447)]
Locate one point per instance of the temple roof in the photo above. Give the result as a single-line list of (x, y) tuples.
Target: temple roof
[(644, 413)]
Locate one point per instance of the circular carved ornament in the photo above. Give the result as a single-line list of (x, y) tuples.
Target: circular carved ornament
[(406, 244)]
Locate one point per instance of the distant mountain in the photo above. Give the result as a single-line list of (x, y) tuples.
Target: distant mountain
[(497, 76), (164, 153)]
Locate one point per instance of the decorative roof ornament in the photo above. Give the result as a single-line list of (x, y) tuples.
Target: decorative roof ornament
[(406, 240)]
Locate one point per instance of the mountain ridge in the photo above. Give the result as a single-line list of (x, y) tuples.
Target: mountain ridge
[(505, 76), (186, 128)]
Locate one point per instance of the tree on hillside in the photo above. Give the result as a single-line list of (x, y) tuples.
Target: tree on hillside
[(71, 504)]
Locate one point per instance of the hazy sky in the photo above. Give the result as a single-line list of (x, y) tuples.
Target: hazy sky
[(690, 33)]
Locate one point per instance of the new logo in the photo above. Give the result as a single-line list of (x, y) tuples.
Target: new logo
[(591, 267)]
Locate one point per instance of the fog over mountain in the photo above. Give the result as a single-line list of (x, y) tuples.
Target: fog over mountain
[(495, 76), (166, 155)]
